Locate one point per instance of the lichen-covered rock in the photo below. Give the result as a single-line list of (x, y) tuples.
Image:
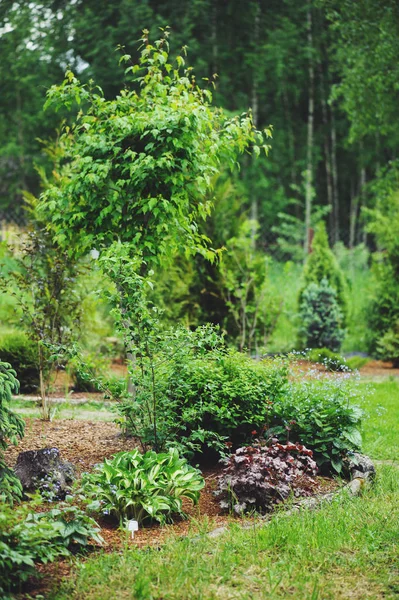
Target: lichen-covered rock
[(361, 467), (44, 471)]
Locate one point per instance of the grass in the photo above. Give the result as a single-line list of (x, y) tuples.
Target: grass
[(345, 549), (381, 420), (89, 411)]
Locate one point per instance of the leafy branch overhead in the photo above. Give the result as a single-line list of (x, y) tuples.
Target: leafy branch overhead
[(138, 167)]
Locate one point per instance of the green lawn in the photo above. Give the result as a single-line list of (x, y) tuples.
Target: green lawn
[(381, 420), (346, 549)]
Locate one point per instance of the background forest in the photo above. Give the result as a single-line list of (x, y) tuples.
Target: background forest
[(322, 75)]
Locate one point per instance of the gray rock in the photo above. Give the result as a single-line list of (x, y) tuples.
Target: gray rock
[(361, 467), (43, 470)]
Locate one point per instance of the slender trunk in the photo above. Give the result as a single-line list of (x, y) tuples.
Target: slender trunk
[(291, 138), (362, 183), (334, 177), (43, 392), (309, 159), (353, 216), (255, 110), (327, 156), (21, 137), (214, 37)]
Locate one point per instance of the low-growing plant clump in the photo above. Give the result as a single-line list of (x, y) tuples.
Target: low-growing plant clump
[(258, 477), (22, 353), (320, 415), (143, 487), (27, 537), (332, 361)]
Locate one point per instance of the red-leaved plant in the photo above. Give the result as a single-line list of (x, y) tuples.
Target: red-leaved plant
[(257, 477)]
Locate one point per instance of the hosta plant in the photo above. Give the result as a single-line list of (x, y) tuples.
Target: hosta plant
[(259, 476), (148, 486)]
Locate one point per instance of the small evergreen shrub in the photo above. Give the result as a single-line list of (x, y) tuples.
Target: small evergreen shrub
[(258, 477), (319, 415), (143, 487), (18, 350), (27, 537), (388, 345), (11, 428), (321, 320), (322, 264)]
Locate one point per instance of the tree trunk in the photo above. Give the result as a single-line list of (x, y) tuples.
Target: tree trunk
[(309, 158), (334, 178), (327, 157), (255, 110)]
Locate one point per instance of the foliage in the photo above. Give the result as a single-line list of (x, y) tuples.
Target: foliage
[(296, 554), (87, 371), (143, 487), (257, 477), (332, 361), (355, 363), (320, 317), (322, 264), (45, 288), (319, 414), (27, 537), (383, 310), (245, 289), (139, 166), (11, 428), (22, 353), (388, 345)]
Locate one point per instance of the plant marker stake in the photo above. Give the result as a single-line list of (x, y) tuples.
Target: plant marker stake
[(132, 526)]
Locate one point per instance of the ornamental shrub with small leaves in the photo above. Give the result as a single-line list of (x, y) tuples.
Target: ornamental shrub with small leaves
[(258, 477)]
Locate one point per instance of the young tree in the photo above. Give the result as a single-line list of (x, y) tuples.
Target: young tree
[(322, 264), (138, 167)]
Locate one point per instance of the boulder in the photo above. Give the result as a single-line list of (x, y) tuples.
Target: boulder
[(361, 467), (44, 471)]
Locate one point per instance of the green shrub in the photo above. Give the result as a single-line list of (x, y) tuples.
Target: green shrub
[(18, 350), (318, 414), (27, 537), (321, 320), (88, 372), (357, 362), (322, 264), (205, 393), (332, 361), (11, 428), (388, 345), (142, 486)]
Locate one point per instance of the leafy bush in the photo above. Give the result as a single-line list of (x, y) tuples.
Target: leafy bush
[(26, 538), (205, 393), (22, 353), (356, 362), (11, 428), (257, 477), (143, 487), (388, 345), (88, 372), (322, 264), (332, 361), (321, 320), (319, 415)]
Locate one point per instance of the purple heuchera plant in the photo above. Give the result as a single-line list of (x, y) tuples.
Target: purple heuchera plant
[(257, 477)]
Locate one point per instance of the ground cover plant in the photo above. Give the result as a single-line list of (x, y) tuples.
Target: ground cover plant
[(28, 537), (258, 477), (143, 487)]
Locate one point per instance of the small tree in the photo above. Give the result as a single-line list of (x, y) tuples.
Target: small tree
[(322, 264), (138, 167), (321, 317), (244, 288)]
